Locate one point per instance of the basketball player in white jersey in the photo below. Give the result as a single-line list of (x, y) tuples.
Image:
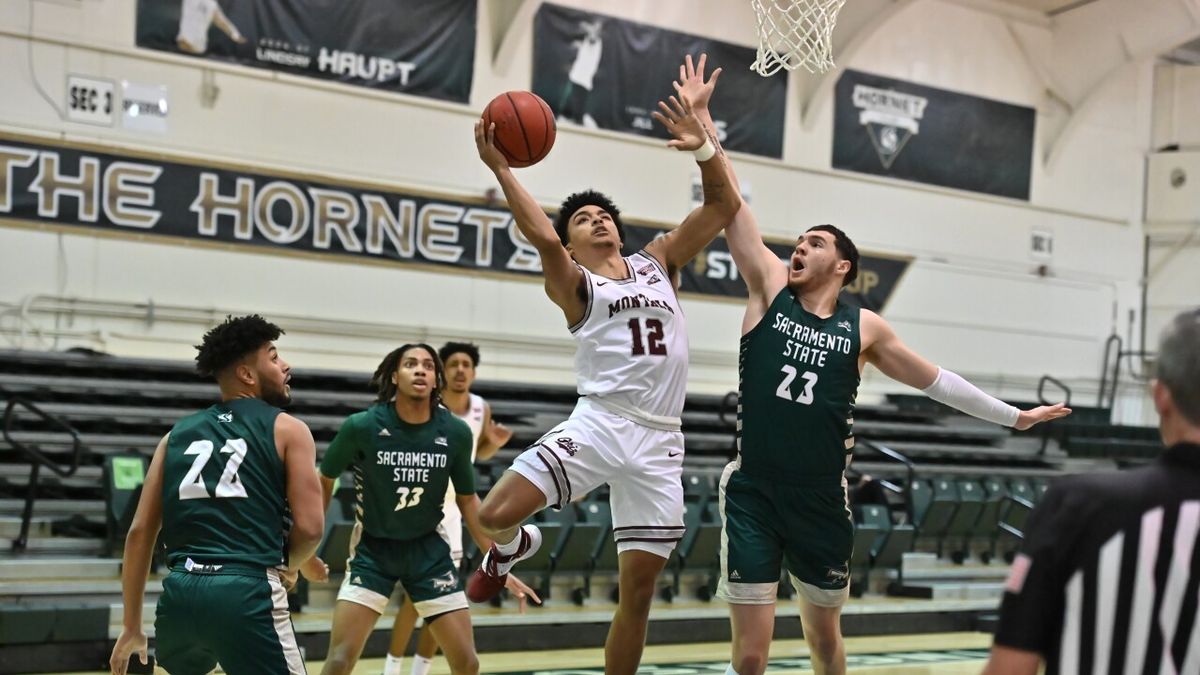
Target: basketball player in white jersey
[(195, 17), (460, 360), (631, 371)]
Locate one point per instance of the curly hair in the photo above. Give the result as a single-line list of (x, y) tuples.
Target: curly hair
[(578, 200), (451, 348), (233, 339), (385, 389)]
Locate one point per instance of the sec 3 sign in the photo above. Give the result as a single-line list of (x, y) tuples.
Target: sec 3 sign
[(90, 100)]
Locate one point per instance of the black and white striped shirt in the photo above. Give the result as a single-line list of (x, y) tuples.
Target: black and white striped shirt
[(1106, 582)]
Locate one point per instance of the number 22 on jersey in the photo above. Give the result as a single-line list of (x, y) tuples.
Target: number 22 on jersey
[(789, 374), (229, 485)]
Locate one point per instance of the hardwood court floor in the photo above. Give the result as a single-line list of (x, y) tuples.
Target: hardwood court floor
[(929, 654)]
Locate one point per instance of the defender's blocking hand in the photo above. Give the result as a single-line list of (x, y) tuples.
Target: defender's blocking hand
[(681, 121), (691, 82)]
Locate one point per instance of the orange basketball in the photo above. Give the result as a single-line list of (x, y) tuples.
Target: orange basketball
[(524, 127)]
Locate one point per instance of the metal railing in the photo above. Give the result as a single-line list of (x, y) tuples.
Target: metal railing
[(1046, 428), (1110, 370), (38, 459), (910, 469)]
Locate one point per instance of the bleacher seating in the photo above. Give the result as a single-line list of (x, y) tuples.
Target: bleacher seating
[(970, 487)]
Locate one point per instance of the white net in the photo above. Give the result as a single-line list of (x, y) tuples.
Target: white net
[(794, 34)]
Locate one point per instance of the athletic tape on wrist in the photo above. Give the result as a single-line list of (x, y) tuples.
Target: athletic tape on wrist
[(705, 152)]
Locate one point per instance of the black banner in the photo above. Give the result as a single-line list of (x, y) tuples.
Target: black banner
[(420, 47), (894, 128), (608, 73), (150, 196)]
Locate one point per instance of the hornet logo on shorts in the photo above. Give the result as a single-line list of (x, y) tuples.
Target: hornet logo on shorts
[(889, 117), (445, 583), (568, 446), (838, 574)]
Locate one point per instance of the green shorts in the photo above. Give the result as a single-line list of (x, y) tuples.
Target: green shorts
[(766, 525), (423, 567), (237, 616)]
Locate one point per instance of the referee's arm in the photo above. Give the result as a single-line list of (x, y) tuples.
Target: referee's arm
[(1031, 614), (1009, 661)]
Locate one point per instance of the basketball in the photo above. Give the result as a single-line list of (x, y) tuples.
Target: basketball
[(524, 127)]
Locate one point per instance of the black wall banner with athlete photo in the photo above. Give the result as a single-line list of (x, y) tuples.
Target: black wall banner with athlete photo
[(153, 197), (419, 47), (903, 130), (602, 72)]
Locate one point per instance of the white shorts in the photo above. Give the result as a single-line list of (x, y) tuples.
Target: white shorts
[(642, 466)]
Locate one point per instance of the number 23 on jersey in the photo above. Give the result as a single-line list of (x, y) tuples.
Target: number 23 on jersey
[(789, 374)]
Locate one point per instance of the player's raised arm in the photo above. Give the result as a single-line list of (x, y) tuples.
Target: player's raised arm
[(721, 198), (762, 270), (563, 277), (884, 349)]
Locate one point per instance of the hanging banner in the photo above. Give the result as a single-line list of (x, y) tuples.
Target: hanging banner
[(903, 130), (607, 73), (151, 196), (419, 47)]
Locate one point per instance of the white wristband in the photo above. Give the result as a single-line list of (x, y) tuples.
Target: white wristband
[(705, 152), (954, 391)]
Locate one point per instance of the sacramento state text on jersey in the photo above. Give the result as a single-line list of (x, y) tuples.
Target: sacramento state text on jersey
[(810, 345), (799, 379), (410, 466)]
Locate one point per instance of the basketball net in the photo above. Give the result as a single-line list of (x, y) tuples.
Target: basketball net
[(794, 34)]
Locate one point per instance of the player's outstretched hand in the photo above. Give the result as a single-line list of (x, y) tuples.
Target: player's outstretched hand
[(485, 143), (315, 569), (497, 434), (691, 82), (681, 121), (521, 592), (127, 644), (1044, 413)]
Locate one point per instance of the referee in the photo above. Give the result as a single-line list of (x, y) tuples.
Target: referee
[(1107, 578)]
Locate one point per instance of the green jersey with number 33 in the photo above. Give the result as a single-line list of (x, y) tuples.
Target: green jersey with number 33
[(798, 381), (224, 492), (401, 470)]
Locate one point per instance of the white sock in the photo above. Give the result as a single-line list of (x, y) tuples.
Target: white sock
[(393, 665), (421, 665), (511, 547), (730, 671)]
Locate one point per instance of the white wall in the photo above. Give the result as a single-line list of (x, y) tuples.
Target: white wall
[(971, 300)]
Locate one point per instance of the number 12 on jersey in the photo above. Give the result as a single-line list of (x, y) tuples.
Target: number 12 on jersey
[(654, 335), (785, 391)]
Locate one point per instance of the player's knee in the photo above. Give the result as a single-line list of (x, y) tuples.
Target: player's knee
[(750, 663), (464, 664), (337, 661), (638, 596), (825, 644), (493, 517)]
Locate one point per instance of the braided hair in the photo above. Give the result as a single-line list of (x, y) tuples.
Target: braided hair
[(386, 389)]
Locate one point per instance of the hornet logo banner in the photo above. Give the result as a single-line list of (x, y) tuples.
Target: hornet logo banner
[(910, 131)]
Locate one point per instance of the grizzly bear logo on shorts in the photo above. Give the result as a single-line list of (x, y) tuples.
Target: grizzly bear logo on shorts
[(568, 446)]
